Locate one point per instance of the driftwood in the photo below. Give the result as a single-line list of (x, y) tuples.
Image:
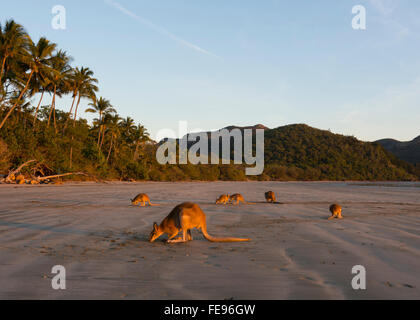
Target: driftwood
[(39, 179), (61, 175), (20, 168), (10, 178), (14, 172)]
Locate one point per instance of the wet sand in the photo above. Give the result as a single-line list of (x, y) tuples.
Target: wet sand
[(296, 253)]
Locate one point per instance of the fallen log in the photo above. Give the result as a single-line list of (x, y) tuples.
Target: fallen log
[(61, 175), (12, 174)]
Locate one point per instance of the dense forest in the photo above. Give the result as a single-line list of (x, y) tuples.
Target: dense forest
[(61, 141)]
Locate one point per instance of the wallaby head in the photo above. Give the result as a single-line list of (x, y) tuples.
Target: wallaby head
[(156, 233)]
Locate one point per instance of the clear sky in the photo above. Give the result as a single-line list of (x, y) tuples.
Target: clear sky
[(216, 63)]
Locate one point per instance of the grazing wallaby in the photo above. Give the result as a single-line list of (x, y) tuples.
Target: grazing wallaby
[(224, 199), (238, 198), (141, 199), (185, 217), (335, 212), (270, 197)]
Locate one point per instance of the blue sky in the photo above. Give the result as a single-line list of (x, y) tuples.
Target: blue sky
[(223, 62)]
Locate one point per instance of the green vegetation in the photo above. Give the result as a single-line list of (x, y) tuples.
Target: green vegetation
[(301, 152), (116, 148)]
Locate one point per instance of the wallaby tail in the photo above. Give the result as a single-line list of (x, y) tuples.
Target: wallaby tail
[(246, 202), (213, 239), (154, 205)]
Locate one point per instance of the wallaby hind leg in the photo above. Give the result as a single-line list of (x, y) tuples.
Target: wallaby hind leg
[(189, 235), (332, 217)]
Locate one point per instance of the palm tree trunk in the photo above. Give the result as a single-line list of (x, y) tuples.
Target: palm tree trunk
[(103, 137), (110, 148), (2, 69), (37, 108), (18, 100), (52, 105), (72, 137), (100, 128), (71, 110), (99, 135), (75, 111)]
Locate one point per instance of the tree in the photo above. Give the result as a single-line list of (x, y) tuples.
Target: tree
[(140, 137), (114, 131), (59, 75), (37, 61), (85, 84), (13, 41), (102, 107)]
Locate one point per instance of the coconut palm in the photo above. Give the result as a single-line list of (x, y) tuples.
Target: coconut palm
[(37, 61), (140, 137), (101, 106), (59, 75), (85, 86), (128, 127), (13, 41), (114, 131)]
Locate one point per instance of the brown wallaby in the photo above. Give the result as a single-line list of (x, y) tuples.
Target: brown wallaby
[(335, 212), (224, 199), (270, 197), (185, 217), (238, 198), (141, 199)]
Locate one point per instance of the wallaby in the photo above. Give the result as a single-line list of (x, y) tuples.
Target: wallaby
[(335, 212), (185, 217), (224, 199), (141, 199), (270, 197), (238, 198)]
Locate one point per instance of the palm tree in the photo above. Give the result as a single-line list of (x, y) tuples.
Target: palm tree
[(60, 72), (38, 86), (114, 132), (13, 40), (140, 137), (106, 121), (37, 61), (128, 127), (101, 106), (85, 86)]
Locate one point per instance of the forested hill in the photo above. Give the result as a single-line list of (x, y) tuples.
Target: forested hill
[(300, 152), (318, 154), (408, 151)]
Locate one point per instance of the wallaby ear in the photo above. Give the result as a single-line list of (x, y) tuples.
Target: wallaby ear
[(155, 226)]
